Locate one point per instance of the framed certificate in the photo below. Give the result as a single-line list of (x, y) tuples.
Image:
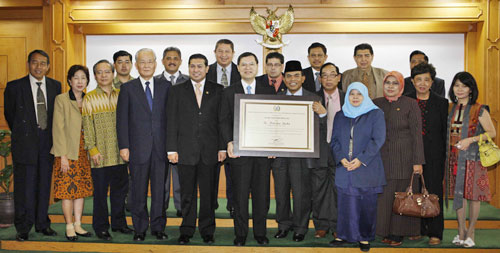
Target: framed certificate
[(272, 125)]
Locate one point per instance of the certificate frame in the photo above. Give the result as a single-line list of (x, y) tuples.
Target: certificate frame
[(307, 145)]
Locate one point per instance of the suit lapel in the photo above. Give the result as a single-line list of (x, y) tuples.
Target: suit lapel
[(28, 99), (239, 88), (191, 96), (137, 87), (51, 96)]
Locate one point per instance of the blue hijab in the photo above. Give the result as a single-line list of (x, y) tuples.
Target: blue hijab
[(367, 105)]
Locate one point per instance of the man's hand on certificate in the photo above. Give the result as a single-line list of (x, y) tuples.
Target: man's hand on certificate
[(230, 149), (319, 108)]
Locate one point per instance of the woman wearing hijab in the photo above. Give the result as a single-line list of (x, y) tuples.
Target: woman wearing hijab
[(402, 154), (359, 133)]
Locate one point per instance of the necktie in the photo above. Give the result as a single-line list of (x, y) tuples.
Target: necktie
[(316, 81), (273, 84), (198, 94), (172, 79), (367, 84), (330, 116), (249, 90), (41, 109), (223, 80), (149, 96)]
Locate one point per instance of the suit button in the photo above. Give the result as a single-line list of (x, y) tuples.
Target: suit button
[(199, 113)]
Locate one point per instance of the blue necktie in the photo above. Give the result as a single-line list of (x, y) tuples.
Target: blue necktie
[(149, 96), (249, 90)]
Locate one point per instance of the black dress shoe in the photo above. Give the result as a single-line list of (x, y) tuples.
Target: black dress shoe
[(262, 240), (123, 230), (183, 239), (47, 231), (87, 234), (22, 237), (209, 239), (160, 235), (139, 237), (103, 235), (179, 213), (364, 247), (298, 237), (239, 241), (337, 243), (71, 238), (281, 234)]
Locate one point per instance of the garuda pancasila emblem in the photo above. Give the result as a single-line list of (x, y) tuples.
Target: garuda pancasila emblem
[(272, 27)]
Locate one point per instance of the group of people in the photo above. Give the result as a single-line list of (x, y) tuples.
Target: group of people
[(377, 129)]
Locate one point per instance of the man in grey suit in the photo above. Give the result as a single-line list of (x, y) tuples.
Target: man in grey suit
[(141, 121), (172, 61)]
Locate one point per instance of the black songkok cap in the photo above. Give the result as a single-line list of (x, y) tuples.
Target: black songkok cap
[(293, 66)]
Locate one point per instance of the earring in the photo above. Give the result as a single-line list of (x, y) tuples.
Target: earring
[(470, 96)]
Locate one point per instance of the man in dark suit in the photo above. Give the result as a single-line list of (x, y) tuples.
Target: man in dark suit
[(249, 174), (193, 142), (141, 121), (316, 54), (417, 57), (324, 200), (172, 61), (28, 109), (274, 69), (224, 72), (295, 173)]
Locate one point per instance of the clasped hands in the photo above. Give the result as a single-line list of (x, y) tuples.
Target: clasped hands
[(352, 165)]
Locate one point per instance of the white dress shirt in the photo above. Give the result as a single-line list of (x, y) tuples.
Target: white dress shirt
[(151, 85), (245, 84), (228, 73), (176, 75), (34, 91)]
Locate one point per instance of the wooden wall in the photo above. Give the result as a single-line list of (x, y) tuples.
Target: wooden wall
[(60, 26)]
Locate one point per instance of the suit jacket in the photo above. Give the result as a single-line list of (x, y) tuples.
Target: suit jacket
[(351, 75), (193, 131), (182, 78), (19, 111), (437, 87), (309, 83), (66, 127), (138, 128), (369, 136), (265, 80), (212, 73)]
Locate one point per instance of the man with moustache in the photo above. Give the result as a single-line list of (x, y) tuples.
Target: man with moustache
[(122, 61), (250, 175), (274, 69), (28, 109), (371, 77), (316, 54), (172, 61), (417, 57), (141, 123), (109, 171), (193, 143), (295, 173), (224, 72), (324, 192)]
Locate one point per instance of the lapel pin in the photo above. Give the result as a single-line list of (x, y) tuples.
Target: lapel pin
[(397, 109), (206, 92)]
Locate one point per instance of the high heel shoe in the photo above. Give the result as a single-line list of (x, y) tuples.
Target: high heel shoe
[(468, 243), (70, 233), (457, 241), (80, 231)]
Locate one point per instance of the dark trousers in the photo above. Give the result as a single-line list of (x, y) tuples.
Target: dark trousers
[(324, 199), (357, 216), (114, 178), (173, 177), (154, 171), (229, 186), (433, 227), (191, 177), (32, 189), (289, 175), (250, 175)]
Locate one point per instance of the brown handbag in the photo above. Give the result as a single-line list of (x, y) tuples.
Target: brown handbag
[(423, 205)]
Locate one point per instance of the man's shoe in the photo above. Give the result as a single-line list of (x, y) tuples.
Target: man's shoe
[(139, 237), (104, 235), (434, 241), (47, 231), (281, 234), (239, 241), (298, 237), (209, 239), (365, 247), (22, 237), (124, 230), (337, 242), (183, 239), (160, 235), (320, 234), (179, 213), (262, 240)]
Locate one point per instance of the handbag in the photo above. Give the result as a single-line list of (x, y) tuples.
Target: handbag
[(488, 151), (423, 205)]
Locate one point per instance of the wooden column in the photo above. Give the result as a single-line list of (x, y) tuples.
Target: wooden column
[(55, 43)]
